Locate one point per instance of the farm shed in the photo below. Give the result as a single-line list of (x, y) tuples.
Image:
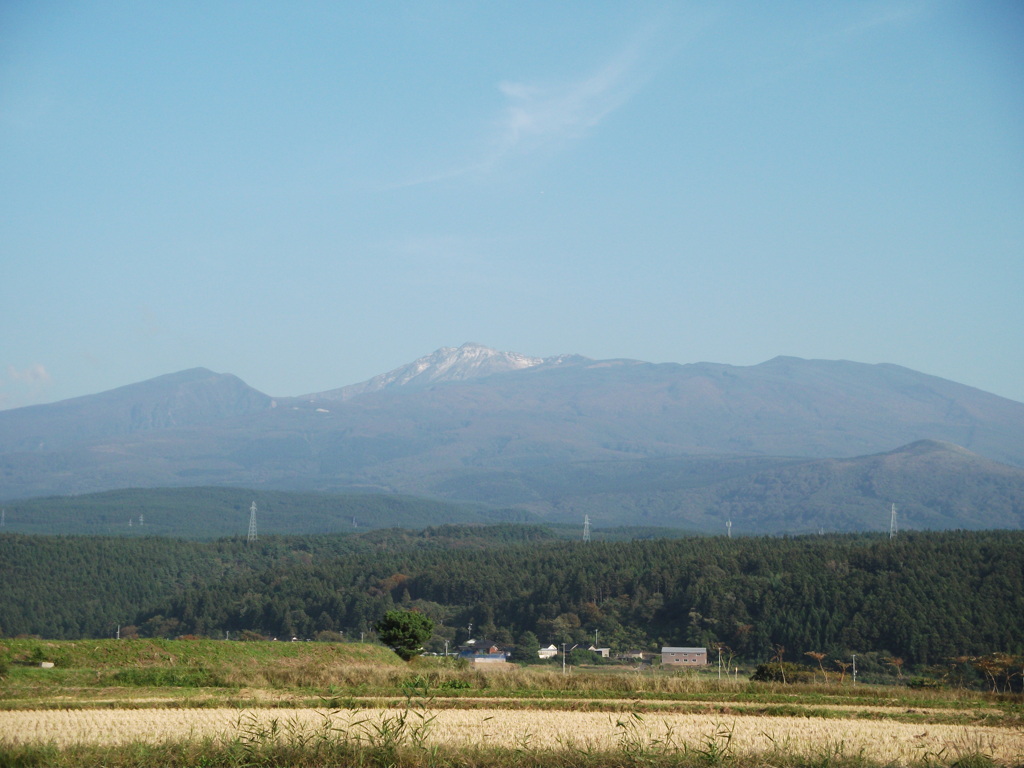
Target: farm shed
[(684, 657), (486, 653)]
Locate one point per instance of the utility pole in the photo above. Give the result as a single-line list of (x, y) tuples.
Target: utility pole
[(719, 663), (586, 527), (563, 655), (855, 669), (892, 523), (728, 526)]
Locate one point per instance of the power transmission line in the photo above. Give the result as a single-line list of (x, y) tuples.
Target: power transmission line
[(252, 523)]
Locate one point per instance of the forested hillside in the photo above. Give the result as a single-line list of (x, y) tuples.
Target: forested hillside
[(210, 513), (922, 597)]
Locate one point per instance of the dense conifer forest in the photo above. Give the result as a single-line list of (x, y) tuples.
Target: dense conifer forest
[(212, 513), (921, 598)]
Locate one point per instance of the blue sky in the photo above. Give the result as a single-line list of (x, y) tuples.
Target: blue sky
[(308, 194)]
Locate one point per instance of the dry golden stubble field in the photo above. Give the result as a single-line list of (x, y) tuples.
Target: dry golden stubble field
[(878, 741), (214, 701)]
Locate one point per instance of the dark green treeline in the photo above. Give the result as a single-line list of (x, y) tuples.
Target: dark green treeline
[(924, 597)]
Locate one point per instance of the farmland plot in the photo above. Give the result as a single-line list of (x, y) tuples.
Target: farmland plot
[(877, 741)]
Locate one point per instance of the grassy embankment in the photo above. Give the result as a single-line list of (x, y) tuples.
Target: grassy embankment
[(358, 704)]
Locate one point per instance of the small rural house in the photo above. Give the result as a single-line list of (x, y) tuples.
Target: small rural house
[(684, 657), (604, 653), (485, 653), (632, 656), (548, 653)]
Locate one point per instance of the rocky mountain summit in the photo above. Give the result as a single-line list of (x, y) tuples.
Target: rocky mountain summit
[(470, 361)]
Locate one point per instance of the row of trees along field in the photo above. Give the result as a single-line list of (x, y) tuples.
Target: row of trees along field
[(922, 597)]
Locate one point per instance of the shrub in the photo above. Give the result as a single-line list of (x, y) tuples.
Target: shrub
[(782, 672), (923, 682), (159, 677), (455, 685)]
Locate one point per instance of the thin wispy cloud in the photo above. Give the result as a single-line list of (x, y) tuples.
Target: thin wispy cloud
[(885, 17), (545, 116), (24, 386), (539, 116), (832, 39), (35, 375)]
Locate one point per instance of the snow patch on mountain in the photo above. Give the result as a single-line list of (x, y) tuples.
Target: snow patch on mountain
[(469, 361)]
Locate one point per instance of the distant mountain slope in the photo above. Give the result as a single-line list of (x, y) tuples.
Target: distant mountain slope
[(583, 410), (188, 398), (470, 423), (934, 486)]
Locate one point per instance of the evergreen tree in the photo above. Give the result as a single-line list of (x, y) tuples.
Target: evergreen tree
[(405, 632), (527, 648)]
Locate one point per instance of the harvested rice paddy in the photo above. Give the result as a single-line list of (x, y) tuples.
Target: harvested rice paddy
[(874, 740)]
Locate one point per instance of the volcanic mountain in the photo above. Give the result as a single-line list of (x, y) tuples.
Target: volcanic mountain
[(624, 440)]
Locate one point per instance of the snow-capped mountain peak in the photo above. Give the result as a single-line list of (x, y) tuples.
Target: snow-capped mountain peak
[(469, 361)]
